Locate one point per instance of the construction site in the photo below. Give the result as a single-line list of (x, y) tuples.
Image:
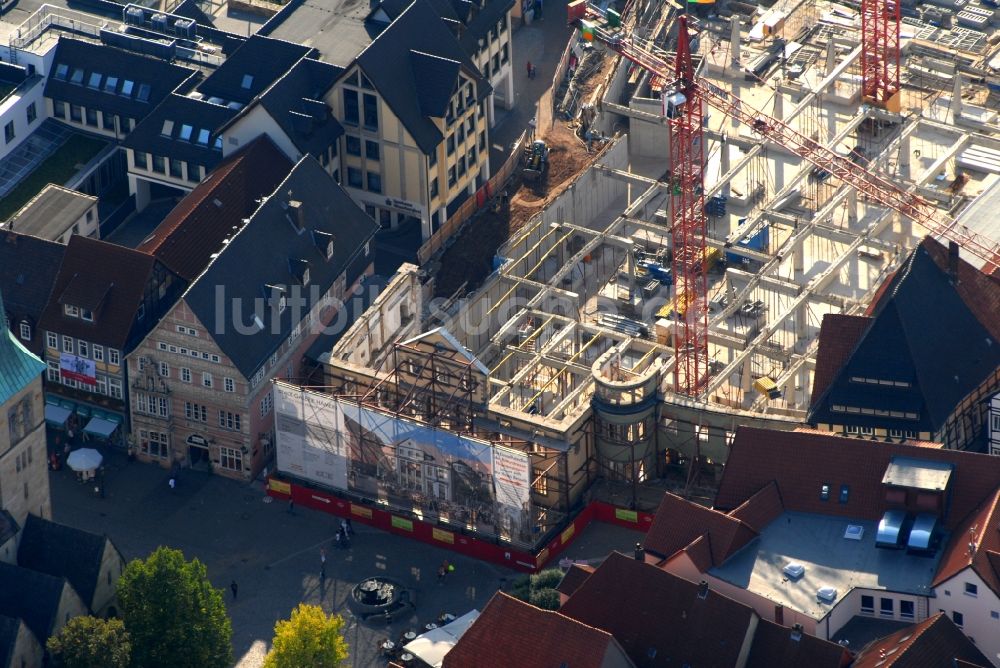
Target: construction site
[(757, 169)]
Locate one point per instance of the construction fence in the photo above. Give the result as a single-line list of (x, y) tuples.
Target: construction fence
[(473, 204)]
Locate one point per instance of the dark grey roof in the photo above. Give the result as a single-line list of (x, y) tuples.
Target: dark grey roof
[(338, 29), (163, 132), (50, 213), (389, 62), (439, 77), (478, 27), (295, 102), (190, 9), (263, 59), (32, 596), (9, 628), (63, 552), (151, 79), (245, 273), (8, 526), (30, 266), (923, 333)]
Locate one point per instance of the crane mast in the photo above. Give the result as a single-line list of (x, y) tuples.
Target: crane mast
[(880, 21)]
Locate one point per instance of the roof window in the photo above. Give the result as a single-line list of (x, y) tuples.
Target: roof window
[(77, 77), (247, 81), (824, 493), (168, 128), (186, 131), (110, 84), (127, 87), (95, 80), (203, 137), (61, 70), (143, 95)]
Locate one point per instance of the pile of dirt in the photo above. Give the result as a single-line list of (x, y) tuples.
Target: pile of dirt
[(470, 258)]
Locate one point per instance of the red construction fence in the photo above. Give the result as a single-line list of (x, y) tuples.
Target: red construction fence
[(470, 546)]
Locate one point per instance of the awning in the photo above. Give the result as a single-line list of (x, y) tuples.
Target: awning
[(65, 403), (100, 427), (432, 646), (56, 415), (83, 410)]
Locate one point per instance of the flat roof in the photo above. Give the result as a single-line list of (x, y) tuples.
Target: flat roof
[(830, 560), (51, 212), (981, 218), (917, 473), (335, 27)]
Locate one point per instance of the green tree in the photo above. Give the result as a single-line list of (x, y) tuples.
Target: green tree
[(89, 642), (173, 614), (310, 638)]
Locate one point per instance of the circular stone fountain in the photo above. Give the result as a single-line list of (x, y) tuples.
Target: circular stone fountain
[(379, 595)]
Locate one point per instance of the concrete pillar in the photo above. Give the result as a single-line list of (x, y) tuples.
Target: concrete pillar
[(746, 378), (734, 41), (852, 206), (831, 57), (779, 106), (508, 84), (956, 97), (904, 158), (801, 318), (799, 258), (724, 167)]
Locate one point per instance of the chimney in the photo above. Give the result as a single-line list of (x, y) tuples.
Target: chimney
[(703, 589), (796, 632), (640, 554), (298, 215), (953, 259)]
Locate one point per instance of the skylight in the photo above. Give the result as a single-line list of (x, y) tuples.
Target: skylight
[(218, 144), (143, 95), (186, 131), (95, 80), (61, 71), (77, 77), (247, 81), (168, 128), (127, 87), (110, 84), (203, 137)]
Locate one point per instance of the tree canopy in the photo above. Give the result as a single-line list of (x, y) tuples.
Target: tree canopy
[(89, 642), (173, 614), (310, 638)]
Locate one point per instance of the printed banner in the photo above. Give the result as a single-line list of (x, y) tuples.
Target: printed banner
[(402, 523), (627, 515), (361, 511), (80, 369), (442, 535), (279, 486), (512, 488)]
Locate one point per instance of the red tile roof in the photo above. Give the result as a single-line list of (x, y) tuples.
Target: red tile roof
[(760, 509), (575, 576), (112, 275), (510, 632), (678, 522), (801, 462), (932, 643), (838, 337), (658, 618), (196, 227), (982, 528), (774, 645)]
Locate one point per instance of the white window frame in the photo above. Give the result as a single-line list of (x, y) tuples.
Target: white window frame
[(206, 379), (115, 388), (266, 404), (229, 384), (71, 311), (25, 331), (52, 340), (98, 352), (52, 371), (230, 459), (83, 348), (164, 369), (67, 344), (114, 358), (185, 374)]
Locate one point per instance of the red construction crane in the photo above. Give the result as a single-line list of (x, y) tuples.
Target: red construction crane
[(880, 53), (687, 160)]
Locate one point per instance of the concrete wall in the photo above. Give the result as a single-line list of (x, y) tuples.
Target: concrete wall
[(978, 622), (649, 140), (70, 606), (14, 109), (24, 477)]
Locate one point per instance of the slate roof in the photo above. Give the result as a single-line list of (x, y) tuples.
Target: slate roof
[(510, 632), (774, 645), (395, 66), (30, 266), (245, 272), (295, 102), (9, 628), (574, 577), (838, 336), (8, 526), (338, 29), (635, 602), (799, 463), (19, 368), (109, 279), (264, 59), (478, 27), (32, 596), (196, 227), (932, 643), (939, 335), (163, 132), (679, 522), (63, 552), (159, 76)]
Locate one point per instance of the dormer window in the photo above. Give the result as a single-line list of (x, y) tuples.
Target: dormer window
[(71, 311), (246, 82), (87, 315), (305, 276), (329, 249)]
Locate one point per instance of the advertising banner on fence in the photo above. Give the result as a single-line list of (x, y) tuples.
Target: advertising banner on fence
[(512, 485), (309, 437)]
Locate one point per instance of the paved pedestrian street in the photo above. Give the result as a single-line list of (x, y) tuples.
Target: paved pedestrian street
[(274, 557)]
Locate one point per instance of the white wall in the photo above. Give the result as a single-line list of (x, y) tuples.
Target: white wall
[(15, 109), (255, 123), (978, 622)]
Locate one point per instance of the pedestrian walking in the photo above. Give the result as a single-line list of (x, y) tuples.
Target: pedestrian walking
[(235, 588), (531, 75), (291, 506), (322, 563), (343, 526), (338, 537), (441, 572), (350, 528), (173, 483)]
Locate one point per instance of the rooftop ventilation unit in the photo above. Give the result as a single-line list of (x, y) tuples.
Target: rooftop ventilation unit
[(794, 570), (854, 532), (826, 595), (158, 22)]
